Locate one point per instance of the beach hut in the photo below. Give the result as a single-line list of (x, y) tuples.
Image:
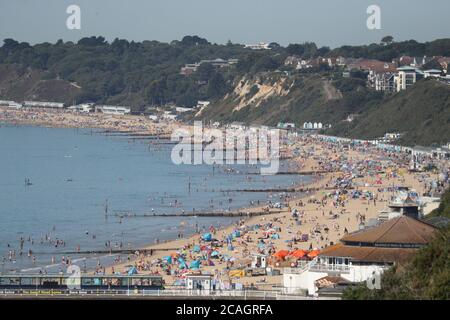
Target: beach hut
[(202, 283), (259, 261)]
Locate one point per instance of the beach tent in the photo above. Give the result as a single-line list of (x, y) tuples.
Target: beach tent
[(207, 237), (196, 248), (214, 254), (168, 259), (181, 263), (194, 264), (236, 234), (275, 236), (132, 271)]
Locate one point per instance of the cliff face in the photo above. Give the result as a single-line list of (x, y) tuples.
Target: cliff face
[(19, 84), (255, 92), (269, 98)]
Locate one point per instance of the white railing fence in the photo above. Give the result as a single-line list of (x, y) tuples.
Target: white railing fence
[(238, 294)]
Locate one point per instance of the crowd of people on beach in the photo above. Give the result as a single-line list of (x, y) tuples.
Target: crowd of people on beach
[(351, 183)]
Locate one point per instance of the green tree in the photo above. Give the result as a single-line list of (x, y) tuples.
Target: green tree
[(387, 39)]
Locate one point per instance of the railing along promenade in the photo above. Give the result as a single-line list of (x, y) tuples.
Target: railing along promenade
[(152, 294)]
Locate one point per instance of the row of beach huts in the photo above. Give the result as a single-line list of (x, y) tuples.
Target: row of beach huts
[(82, 108)]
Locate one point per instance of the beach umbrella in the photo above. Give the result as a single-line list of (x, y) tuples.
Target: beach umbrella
[(280, 255), (196, 248), (299, 253), (167, 259), (313, 254)]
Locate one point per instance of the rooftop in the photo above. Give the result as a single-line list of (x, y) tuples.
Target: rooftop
[(368, 254), (401, 230)]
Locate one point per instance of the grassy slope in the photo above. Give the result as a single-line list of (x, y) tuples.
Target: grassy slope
[(19, 84), (421, 112)]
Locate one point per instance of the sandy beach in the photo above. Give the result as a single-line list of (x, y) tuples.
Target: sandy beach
[(323, 218), (65, 119), (311, 222)]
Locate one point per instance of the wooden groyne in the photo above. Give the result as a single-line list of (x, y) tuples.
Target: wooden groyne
[(111, 252), (281, 190), (300, 173), (196, 214), (136, 135)]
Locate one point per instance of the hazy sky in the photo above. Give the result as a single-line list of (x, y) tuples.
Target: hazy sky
[(326, 22)]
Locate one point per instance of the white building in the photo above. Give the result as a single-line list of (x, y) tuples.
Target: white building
[(381, 81), (259, 46), (114, 110), (202, 104), (10, 104), (406, 77), (435, 73), (361, 255), (200, 284), (82, 108), (167, 115), (183, 110), (41, 104)]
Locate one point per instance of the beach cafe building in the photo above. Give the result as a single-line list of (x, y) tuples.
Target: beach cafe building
[(361, 255), (200, 284)]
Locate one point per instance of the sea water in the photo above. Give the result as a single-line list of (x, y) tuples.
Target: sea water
[(81, 186)]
